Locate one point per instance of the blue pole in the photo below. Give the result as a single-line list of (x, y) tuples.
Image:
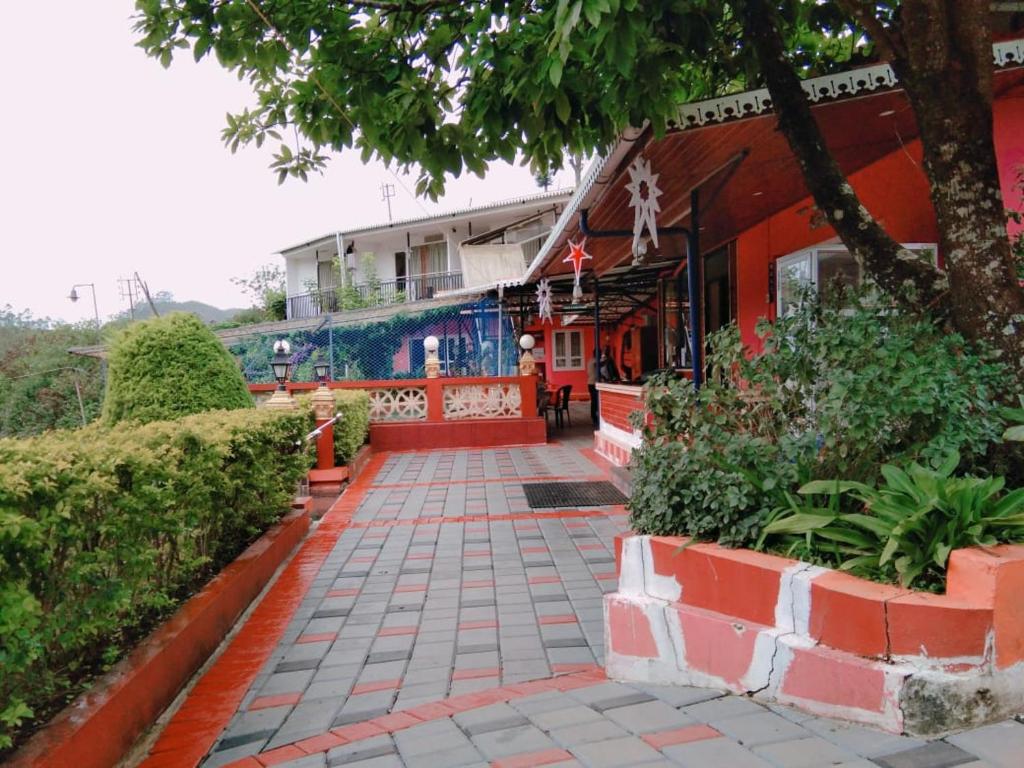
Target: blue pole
[(693, 275)]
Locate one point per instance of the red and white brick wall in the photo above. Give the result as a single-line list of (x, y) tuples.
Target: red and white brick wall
[(825, 641), (616, 438)]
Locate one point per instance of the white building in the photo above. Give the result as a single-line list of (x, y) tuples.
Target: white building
[(419, 258)]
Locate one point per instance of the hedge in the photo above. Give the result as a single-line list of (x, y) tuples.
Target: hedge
[(105, 530), (352, 429), (168, 367)]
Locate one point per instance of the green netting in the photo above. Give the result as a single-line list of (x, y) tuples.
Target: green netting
[(475, 340)]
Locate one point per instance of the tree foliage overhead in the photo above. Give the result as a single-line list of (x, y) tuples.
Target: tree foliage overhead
[(450, 85), (169, 367)]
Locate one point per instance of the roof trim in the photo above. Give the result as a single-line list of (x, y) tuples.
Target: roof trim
[(878, 77), (511, 202)]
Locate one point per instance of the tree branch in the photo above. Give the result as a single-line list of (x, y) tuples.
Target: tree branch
[(900, 273)]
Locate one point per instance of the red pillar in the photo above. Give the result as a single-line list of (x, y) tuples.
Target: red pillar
[(325, 445)]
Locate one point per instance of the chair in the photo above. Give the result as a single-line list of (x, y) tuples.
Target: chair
[(560, 406)]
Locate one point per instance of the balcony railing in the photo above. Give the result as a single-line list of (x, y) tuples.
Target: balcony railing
[(412, 288)]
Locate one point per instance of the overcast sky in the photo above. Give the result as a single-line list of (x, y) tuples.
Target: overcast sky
[(113, 164)]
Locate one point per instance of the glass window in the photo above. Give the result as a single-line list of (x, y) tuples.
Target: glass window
[(828, 266), (837, 270), (794, 273), (568, 351)]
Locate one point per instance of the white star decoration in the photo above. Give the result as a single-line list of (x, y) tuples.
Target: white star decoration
[(544, 300), (644, 194)]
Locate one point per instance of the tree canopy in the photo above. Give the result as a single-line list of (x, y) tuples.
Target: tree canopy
[(449, 86)]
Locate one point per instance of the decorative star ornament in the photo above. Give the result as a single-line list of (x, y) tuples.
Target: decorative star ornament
[(644, 194), (544, 300), (577, 255)]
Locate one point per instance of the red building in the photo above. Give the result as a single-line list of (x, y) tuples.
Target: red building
[(731, 189)]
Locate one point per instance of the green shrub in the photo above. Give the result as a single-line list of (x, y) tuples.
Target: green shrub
[(352, 429), (104, 530), (903, 530), (169, 367), (838, 392)]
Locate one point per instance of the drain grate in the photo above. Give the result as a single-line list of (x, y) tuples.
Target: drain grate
[(595, 494)]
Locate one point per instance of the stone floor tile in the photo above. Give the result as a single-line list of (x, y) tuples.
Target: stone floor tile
[(866, 742), (937, 754), (649, 716), (616, 753), (712, 753), (722, 708), (811, 752), (760, 728), (512, 741), (1001, 744), (492, 718)]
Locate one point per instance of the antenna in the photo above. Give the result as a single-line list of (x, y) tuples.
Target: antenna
[(387, 191)]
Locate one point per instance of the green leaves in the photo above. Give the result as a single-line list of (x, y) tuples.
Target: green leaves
[(105, 530), (908, 526)]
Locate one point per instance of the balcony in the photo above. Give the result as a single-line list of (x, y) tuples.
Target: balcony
[(403, 289)]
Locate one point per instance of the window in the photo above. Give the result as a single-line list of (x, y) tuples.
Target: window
[(568, 351), (825, 265)]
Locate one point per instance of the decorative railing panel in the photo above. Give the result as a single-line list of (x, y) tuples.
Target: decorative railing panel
[(483, 401), (398, 404)]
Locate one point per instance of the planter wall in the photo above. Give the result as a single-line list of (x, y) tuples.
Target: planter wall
[(824, 641), (101, 725)]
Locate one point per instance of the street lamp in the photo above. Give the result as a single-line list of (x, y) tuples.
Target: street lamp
[(321, 369), (281, 364), (432, 364), (75, 297)]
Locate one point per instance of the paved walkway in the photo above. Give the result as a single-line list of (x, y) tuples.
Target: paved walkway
[(434, 619)]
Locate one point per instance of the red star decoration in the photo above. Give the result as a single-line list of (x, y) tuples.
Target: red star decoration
[(576, 256)]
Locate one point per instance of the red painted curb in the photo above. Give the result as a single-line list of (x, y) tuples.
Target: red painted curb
[(587, 675), (217, 696), (99, 728)]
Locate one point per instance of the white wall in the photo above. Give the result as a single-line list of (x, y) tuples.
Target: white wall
[(300, 269)]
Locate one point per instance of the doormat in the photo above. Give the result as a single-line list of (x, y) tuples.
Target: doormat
[(572, 495)]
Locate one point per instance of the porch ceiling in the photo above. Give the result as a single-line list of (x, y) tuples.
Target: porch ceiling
[(736, 196)]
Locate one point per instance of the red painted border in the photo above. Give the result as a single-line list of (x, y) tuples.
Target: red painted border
[(587, 675), (99, 728), (217, 696)]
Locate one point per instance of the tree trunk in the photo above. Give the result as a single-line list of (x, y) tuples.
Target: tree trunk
[(945, 64), (898, 271)]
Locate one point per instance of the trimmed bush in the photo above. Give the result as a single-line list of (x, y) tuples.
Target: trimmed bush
[(352, 429), (169, 367), (839, 392), (105, 530)]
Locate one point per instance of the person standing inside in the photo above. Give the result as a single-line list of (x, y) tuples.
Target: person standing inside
[(592, 388)]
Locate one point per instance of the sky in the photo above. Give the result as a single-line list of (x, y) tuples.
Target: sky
[(112, 164)]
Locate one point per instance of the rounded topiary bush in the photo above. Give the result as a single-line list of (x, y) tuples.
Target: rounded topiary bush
[(169, 367)]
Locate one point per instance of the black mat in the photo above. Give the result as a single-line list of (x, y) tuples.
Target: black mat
[(572, 495)]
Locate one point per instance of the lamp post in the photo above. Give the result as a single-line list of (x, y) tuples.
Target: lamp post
[(95, 309), (432, 365), (323, 414), (281, 364), (527, 365)]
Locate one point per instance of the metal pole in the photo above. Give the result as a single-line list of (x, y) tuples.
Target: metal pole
[(330, 345), (597, 329), (95, 311), (696, 294), (81, 406), (500, 329)]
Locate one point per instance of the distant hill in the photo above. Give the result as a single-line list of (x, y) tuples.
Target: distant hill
[(205, 312)]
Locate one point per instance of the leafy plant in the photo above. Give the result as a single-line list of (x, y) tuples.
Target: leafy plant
[(1015, 433), (105, 530), (841, 388), (168, 367), (352, 429), (903, 530)]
